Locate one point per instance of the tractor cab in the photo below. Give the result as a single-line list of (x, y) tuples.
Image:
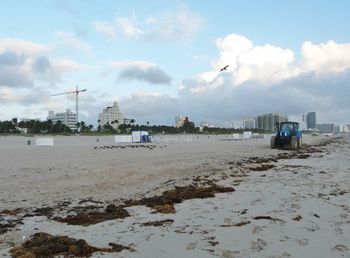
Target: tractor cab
[(287, 135)]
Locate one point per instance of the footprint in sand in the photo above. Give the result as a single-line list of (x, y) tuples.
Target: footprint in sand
[(312, 227), (229, 254), (341, 248), (191, 246), (339, 230), (344, 215), (258, 229), (303, 241), (284, 238), (284, 255), (258, 245)]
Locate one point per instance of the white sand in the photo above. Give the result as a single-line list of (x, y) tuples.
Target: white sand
[(72, 169), (78, 171)]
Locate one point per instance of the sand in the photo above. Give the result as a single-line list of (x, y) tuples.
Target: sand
[(308, 200)]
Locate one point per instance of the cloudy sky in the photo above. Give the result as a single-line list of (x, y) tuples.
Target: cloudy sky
[(162, 58)]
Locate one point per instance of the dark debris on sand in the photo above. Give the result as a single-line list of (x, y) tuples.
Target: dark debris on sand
[(93, 217), (157, 223), (44, 245), (8, 224), (164, 203), (239, 224), (130, 146), (178, 195), (202, 187), (262, 167), (297, 218), (266, 218)]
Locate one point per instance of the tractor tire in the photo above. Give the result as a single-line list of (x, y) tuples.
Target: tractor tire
[(272, 142), (293, 143), (299, 143)]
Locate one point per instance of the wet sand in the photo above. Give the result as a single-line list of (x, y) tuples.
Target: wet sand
[(284, 204)]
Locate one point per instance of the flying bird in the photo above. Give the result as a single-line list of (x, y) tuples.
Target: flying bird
[(224, 68)]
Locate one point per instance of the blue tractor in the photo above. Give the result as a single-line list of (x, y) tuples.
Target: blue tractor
[(288, 135)]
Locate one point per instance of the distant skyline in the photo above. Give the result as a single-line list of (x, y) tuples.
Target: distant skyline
[(160, 59)]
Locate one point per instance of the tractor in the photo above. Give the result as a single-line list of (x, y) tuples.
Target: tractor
[(288, 135)]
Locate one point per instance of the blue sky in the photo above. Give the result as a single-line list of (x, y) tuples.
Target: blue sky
[(160, 59)]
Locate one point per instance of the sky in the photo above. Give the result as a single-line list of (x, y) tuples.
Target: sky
[(160, 59)]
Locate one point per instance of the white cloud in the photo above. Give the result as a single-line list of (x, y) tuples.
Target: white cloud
[(246, 62), (21, 46), (325, 57), (230, 48), (128, 27), (25, 97), (106, 29), (142, 71), (70, 40), (264, 63), (154, 107), (66, 65), (269, 79), (24, 62), (178, 25), (270, 64)]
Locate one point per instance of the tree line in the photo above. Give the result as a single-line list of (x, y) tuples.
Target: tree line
[(33, 127), (48, 127)]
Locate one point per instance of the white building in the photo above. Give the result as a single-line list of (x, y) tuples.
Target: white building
[(68, 118), (111, 115), (179, 121)]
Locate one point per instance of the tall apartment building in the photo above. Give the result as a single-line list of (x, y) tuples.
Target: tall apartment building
[(68, 118), (249, 123), (111, 115), (325, 128), (311, 120), (267, 121)]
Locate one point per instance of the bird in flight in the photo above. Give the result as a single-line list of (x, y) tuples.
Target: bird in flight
[(224, 68)]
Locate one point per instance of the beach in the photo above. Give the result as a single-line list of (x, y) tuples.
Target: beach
[(262, 202)]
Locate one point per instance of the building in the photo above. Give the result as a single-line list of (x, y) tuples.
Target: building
[(179, 121), (338, 129), (111, 115), (267, 121), (249, 123), (325, 128), (30, 119), (128, 121), (311, 120), (206, 124), (68, 118)]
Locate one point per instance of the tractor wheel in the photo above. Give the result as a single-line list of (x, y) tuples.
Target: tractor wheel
[(293, 143), (299, 142), (272, 142)]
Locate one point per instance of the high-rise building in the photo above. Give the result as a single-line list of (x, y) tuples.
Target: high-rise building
[(267, 121), (249, 123), (325, 128), (111, 115), (311, 120), (259, 122), (68, 118)]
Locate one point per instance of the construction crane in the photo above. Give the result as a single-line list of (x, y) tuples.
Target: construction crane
[(76, 92)]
